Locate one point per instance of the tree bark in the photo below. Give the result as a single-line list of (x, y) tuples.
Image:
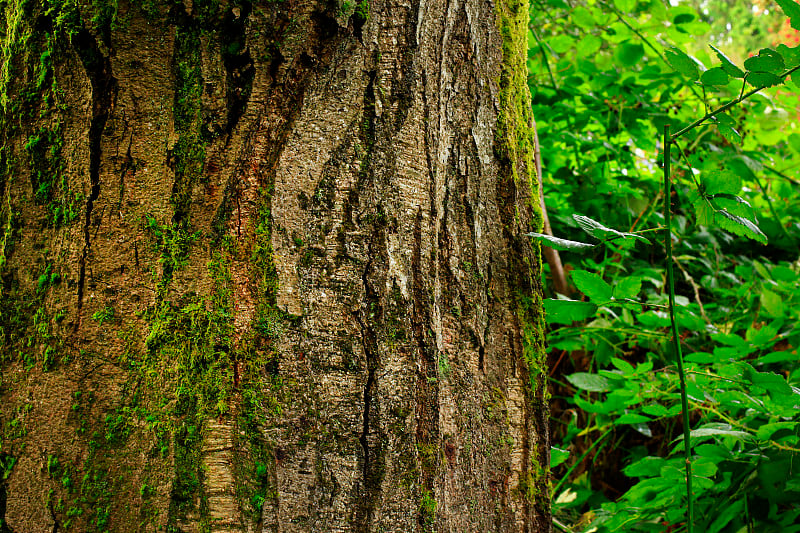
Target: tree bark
[(264, 268)]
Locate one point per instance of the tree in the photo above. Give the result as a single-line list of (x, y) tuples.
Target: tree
[(264, 268)]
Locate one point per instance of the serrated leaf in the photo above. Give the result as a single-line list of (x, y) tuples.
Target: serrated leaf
[(792, 10), (601, 232), (592, 286), (727, 65), (715, 76), (739, 226), (727, 127), (772, 382), (721, 181), (628, 288), (763, 79), (732, 197), (589, 382), (567, 311), (718, 430), (767, 60), (563, 245), (682, 62)]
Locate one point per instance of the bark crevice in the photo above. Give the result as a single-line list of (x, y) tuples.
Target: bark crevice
[(104, 87)]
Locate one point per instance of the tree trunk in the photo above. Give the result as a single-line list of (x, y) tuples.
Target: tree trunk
[(264, 268)]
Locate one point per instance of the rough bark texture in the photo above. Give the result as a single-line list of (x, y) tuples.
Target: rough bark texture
[(264, 268)]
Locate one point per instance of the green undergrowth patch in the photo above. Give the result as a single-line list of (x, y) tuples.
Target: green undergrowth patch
[(607, 77)]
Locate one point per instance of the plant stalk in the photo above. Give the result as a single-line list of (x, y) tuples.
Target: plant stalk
[(676, 341)]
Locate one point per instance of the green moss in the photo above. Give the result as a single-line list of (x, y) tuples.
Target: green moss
[(188, 153), (515, 138)]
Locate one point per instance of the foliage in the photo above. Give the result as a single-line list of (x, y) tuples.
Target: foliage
[(606, 77)]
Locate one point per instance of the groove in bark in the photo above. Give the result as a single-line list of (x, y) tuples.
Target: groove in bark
[(104, 86)]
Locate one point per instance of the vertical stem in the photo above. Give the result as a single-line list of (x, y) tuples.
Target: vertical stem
[(676, 341)]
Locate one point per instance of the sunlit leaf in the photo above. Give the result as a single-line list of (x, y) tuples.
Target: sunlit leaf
[(683, 63), (767, 60), (727, 65), (791, 56)]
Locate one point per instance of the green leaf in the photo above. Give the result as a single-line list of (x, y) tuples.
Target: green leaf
[(589, 45), (629, 54), (655, 409), (626, 6), (631, 418), (728, 512), (727, 127), (792, 10), (767, 430), (794, 142), (715, 76), (589, 382), (582, 17), (791, 56), (561, 43), (717, 430), (772, 303), (563, 245), (683, 63), (739, 225), (721, 181), (557, 456), (767, 60), (599, 231), (731, 197), (628, 288), (727, 65), (772, 382), (645, 467), (763, 79), (567, 311), (592, 286), (626, 367)]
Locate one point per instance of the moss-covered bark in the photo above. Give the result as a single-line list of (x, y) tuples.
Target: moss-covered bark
[(264, 268)]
